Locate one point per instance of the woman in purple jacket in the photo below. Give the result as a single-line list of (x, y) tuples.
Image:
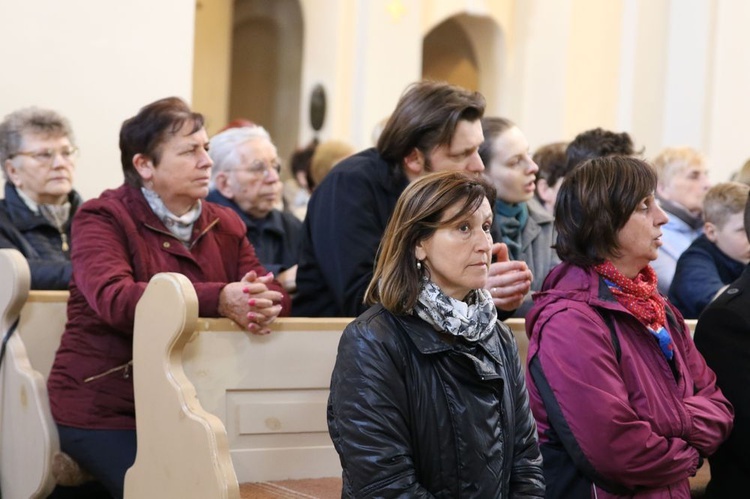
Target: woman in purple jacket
[(624, 403), (155, 222)]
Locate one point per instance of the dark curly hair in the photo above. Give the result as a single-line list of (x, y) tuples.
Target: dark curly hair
[(595, 144)]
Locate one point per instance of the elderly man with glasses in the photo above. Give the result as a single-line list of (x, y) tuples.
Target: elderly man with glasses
[(246, 178), (37, 153)]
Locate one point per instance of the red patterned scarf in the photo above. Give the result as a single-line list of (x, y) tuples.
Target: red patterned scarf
[(638, 295)]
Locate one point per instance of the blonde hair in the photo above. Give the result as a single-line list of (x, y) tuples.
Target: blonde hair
[(673, 160), (724, 200), (743, 174), (325, 157)]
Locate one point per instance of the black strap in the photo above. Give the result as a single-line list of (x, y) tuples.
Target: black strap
[(7, 336), (565, 435), (613, 334)]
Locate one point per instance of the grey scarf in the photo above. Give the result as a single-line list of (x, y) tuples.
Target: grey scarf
[(473, 319), (181, 227)]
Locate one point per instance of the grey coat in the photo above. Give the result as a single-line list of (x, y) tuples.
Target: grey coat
[(537, 239)]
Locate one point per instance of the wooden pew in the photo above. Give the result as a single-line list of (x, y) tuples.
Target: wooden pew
[(28, 436), (206, 390), (269, 393), (266, 395)]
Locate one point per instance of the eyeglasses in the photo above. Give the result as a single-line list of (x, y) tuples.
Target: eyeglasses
[(261, 169), (47, 156)]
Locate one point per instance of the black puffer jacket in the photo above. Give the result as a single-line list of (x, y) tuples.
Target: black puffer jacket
[(39, 241), (413, 413)]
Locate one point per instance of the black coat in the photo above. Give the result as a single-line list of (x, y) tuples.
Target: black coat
[(416, 413), (723, 337), (276, 239), (346, 218), (39, 241)]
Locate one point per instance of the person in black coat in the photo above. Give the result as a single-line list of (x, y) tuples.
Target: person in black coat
[(246, 178), (435, 127), (428, 397), (37, 153), (723, 337)]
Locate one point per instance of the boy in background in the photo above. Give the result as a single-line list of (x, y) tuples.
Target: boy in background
[(717, 257)]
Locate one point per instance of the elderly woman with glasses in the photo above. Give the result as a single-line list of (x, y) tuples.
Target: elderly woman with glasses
[(245, 178), (37, 153), (155, 222)]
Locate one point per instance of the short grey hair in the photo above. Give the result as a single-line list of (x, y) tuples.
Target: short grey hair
[(224, 145), (45, 122)]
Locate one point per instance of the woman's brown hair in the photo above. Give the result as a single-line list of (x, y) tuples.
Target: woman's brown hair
[(595, 201), (396, 282), (145, 132)]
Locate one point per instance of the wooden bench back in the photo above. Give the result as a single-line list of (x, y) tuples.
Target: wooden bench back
[(261, 414), (28, 435), (183, 451)]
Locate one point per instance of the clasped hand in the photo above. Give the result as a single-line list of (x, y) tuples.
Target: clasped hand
[(250, 303)]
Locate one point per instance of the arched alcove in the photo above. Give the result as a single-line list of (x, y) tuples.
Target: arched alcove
[(265, 68), (466, 50), (448, 55)]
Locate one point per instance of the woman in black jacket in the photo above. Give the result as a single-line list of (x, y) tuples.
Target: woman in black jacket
[(37, 154), (428, 396)]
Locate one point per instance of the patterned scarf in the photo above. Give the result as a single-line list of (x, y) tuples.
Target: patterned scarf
[(56, 214), (473, 319), (181, 227), (512, 219), (641, 298)]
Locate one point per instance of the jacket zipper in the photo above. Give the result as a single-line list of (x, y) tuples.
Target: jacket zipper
[(64, 238), (125, 368)]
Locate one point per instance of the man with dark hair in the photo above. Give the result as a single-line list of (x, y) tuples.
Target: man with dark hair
[(597, 143), (552, 163), (435, 127), (723, 337)]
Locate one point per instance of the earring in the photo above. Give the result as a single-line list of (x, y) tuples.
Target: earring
[(419, 265)]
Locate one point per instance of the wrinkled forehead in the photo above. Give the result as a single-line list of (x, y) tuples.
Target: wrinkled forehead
[(257, 148), (31, 136), (186, 133), (684, 166), (465, 208)]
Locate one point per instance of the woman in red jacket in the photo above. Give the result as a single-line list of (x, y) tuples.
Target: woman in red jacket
[(155, 222)]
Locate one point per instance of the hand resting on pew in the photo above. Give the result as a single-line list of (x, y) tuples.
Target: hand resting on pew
[(250, 303)]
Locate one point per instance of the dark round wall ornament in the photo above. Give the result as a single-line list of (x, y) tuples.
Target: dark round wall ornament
[(317, 107)]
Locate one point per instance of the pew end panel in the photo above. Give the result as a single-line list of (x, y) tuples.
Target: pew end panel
[(271, 393), (42, 324), (182, 450), (28, 436)]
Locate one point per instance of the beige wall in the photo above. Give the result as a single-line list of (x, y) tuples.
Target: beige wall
[(727, 120), (97, 62), (664, 70), (212, 45)]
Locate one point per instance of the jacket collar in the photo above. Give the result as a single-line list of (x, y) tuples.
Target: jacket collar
[(736, 289), (571, 282), (390, 176), (23, 218), (136, 203), (429, 341), (272, 223)]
